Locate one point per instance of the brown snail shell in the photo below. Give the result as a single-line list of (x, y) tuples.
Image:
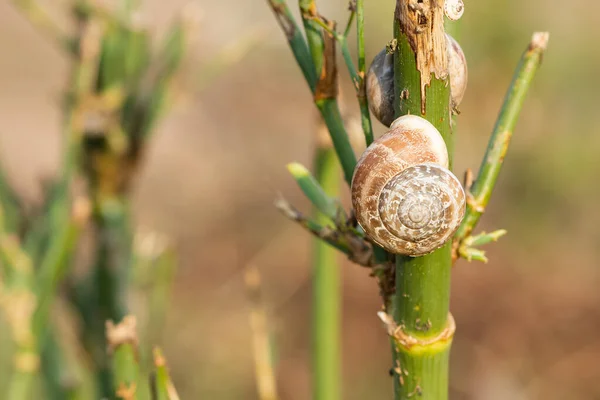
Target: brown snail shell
[(380, 81), (380, 87), (457, 70), (454, 9), (404, 196)]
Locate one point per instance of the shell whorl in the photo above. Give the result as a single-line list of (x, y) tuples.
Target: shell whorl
[(405, 198), (454, 9)]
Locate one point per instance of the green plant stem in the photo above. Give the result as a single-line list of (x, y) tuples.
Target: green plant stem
[(323, 87), (491, 164), (60, 380), (39, 18), (314, 35), (361, 86), (122, 344), (10, 204), (163, 386), (54, 266), (326, 330), (312, 188), (330, 112), (421, 302), (110, 276), (296, 41), (357, 76)]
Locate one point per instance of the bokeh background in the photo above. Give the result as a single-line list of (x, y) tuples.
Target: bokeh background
[(528, 320)]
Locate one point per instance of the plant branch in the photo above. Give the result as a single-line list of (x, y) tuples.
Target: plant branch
[(479, 194), (163, 385), (361, 86), (326, 315), (263, 352), (295, 40), (122, 341), (311, 187), (40, 19), (352, 9), (357, 249)]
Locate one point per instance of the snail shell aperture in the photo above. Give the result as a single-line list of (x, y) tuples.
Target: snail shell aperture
[(405, 198), (380, 81)]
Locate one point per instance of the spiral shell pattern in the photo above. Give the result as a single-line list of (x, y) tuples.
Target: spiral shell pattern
[(405, 198), (454, 9)]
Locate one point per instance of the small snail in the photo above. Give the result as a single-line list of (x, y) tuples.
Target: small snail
[(454, 9), (380, 81), (405, 198), (380, 87), (457, 70)]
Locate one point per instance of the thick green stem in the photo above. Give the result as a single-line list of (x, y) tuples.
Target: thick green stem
[(421, 302), (326, 328)]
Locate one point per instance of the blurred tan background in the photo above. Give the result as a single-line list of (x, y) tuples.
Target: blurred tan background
[(528, 321)]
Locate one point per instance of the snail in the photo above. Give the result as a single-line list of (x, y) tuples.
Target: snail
[(380, 87), (405, 198), (454, 9), (457, 70), (380, 81)]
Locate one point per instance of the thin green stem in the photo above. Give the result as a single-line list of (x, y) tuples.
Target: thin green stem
[(333, 119), (163, 385), (357, 76), (316, 193), (421, 302), (296, 41), (361, 89), (326, 330), (54, 265), (324, 232), (324, 87), (122, 344), (489, 170), (314, 35), (350, 21), (39, 18)]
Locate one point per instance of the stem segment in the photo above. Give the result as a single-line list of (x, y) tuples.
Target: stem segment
[(481, 191), (421, 303), (326, 293)]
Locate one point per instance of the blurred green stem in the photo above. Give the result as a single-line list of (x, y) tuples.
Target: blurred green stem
[(326, 330), (122, 344), (163, 388)]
